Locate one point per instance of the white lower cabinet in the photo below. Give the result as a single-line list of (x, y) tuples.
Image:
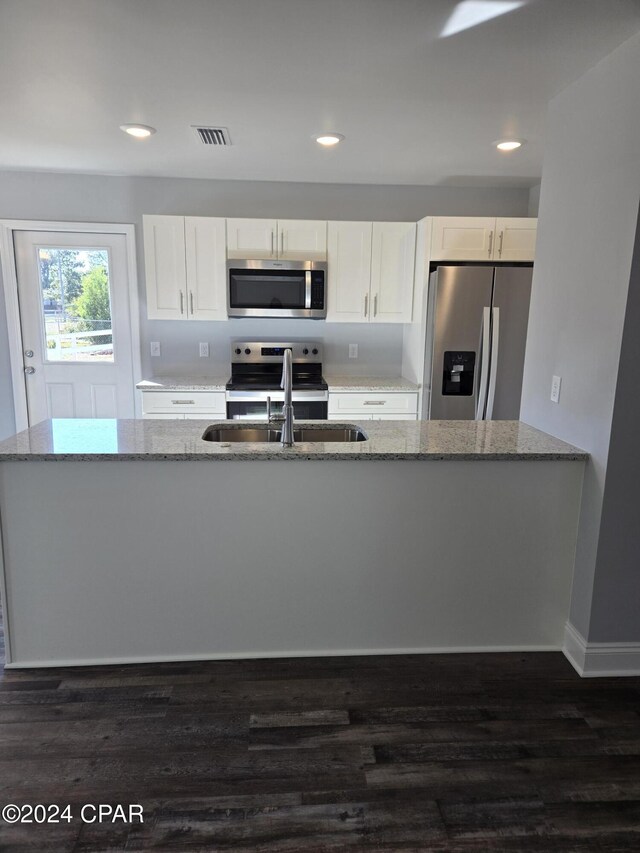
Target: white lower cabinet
[(165, 405), (373, 405)]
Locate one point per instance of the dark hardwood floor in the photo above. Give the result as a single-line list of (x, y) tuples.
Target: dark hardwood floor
[(502, 752)]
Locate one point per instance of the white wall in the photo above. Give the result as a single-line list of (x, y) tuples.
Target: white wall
[(588, 210), (616, 592), (534, 201), (94, 198)]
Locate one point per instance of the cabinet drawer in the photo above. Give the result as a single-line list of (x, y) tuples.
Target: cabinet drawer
[(373, 403), (184, 401)]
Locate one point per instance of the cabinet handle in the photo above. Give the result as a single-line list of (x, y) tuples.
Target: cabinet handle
[(366, 304), (181, 302), (374, 402), (183, 402), (191, 300), (272, 237), (500, 244), (490, 243), (281, 243), (375, 305)]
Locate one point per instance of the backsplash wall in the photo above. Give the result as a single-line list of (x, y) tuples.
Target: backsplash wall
[(379, 345)]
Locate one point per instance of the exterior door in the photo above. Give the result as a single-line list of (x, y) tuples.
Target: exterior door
[(73, 290), (462, 309)]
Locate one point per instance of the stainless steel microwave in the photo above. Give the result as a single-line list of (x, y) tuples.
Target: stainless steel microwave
[(277, 289)]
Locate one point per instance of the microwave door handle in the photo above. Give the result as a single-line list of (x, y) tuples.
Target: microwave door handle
[(307, 289)]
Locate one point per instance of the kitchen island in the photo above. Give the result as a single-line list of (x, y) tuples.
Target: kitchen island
[(429, 536)]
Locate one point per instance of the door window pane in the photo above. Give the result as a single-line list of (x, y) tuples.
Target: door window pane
[(76, 304)]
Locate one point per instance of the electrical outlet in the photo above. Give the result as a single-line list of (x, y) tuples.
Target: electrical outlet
[(155, 348), (204, 350), (555, 389), (353, 350)]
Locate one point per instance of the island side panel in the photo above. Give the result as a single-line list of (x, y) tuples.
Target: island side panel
[(111, 561)]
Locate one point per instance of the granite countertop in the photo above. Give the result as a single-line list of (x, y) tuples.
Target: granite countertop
[(369, 383), (218, 383), (184, 383), (68, 439)]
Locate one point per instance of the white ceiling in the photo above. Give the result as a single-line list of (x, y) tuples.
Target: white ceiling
[(416, 108)]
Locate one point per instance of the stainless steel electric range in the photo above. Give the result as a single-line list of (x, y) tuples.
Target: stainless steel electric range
[(256, 371)]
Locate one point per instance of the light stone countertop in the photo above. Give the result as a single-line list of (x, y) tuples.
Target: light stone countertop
[(184, 383), (68, 439), (335, 383), (369, 383)]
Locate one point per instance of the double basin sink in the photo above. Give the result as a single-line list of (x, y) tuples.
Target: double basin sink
[(263, 432)]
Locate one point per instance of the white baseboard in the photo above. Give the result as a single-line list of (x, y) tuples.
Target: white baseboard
[(266, 655), (600, 660)]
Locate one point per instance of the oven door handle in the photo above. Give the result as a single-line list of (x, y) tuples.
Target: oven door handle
[(276, 396)]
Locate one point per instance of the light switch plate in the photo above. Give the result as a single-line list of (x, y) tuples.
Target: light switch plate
[(353, 350), (204, 350), (555, 389), (155, 348)]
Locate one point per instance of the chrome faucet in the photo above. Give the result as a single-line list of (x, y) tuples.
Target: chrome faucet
[(287, 409)]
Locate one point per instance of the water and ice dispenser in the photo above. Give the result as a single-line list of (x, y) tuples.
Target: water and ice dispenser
[(457, 373)]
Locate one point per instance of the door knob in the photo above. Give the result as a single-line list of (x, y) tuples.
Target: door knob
[(28, 353), (29, 370)]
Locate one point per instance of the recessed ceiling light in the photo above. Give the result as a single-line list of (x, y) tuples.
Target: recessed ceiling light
[(508, 144), (140, 131), (328, 139)]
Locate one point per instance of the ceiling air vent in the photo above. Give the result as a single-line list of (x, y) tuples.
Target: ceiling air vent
[(213, 135)]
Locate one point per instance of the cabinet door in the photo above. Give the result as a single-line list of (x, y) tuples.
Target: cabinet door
[(251, 238), (515, 239), (349, 272), (302, 240), (165, 269), (463, 238), (206, 255), (392, 266)]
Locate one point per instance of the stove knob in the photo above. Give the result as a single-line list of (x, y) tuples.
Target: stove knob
[(315, 351), (238, 350), (247, 351), (305, 351)]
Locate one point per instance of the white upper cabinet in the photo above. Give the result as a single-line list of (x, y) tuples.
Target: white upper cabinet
[(462, 238), (471, 238), (185, 267), (205, 239), (302, 239), (392, 266), (289, 239), (252, 238), (349, 271), (370, 270), (165, 267), (516, 239)]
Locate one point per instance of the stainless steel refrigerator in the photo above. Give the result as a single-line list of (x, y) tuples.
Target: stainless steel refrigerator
[(476, 336)]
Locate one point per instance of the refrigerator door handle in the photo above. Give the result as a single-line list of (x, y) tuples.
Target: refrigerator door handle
[(493, 372), (485, 339)]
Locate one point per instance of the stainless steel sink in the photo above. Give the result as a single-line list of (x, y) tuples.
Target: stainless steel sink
[(263, 433), (222, 432), (329, 433)]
